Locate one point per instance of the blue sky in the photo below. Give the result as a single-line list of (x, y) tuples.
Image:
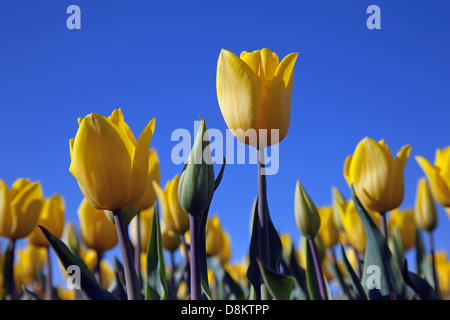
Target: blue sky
[(158, 59)]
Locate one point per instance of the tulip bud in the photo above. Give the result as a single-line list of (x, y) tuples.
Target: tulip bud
[(306, 214), (170, 240), (338, 199), (70, 238), (425, 213), (197, 182)]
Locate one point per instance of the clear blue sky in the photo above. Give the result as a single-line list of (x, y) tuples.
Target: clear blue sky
[(158, 59)]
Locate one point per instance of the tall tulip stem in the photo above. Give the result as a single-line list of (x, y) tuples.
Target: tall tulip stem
[(137, 249), (318, 268), (263, 212), (383, 225), (48, 279), (10, 286), (127, 257), (433, 262), (196, 291)]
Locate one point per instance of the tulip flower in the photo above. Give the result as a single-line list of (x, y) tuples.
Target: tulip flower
[(52, 218), (146, 219), (225, 254), (31, 260), (376, 176), (172, 215), (443, 273), (110, 166), (254, 92), (438, 175), (97, 232), (20, 208), (70, 238), (149, 197), (425, 216), (328, 230), (404, 221), (170, 240), (214, 236)]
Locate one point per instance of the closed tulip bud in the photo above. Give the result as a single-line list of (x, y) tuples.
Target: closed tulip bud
[(438, 175), (52, 218), (353, 226), (376, 176), (425, 214), (146, 221), (404, 221), (254, 92), (70, 238), (197, 181), (172, 215), (149, 197), (20, 208), (306, 215), (170, 240), (97, 232), (338, 199), (328, 231), (111, 167), (214, 236)]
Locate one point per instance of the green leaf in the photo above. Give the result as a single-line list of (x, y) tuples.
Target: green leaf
[(419, 285), (395, 244), (423, 264), (203, 256), (354, 279), (311, 276), (275, 247), (117, 286), (90, 288), (378, 255), (279, 286), (29, 295), (220, 175), (336, 273), (156, 288), (292, 268)]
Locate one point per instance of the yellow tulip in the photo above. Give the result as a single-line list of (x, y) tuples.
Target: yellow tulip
[(214, 236), (172, 215), (149, 197), (170, 240), (107, 273), (328, 230), (438, 175), (70, 238), (20, 208), (254, 92), (31, 259), (286, 245), (52, 218), (376, 176), (404, 220), (353, 226), (97, 232), (225, 253), (146, 219), (110, 166), (66, 294), (443, 273), (425, 214)]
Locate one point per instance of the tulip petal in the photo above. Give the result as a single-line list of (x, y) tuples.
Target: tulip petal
[(25, 210), (439, 188), (180, 218), (443, 163), (397, 178), (238, 94), (165, 209), (5, 212), (347, 165), (100, 149), (139, 172), (117, 118)]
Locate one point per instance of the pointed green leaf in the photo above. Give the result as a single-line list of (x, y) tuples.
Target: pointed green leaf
[(379, 256), (311, 276), (203, 256), (336, 273), (423, 264), (220, 175), (90, 288), (354, 279), (279, 286), (419, 285), (156, 288)]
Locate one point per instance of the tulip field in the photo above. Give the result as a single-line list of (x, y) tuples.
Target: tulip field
[(168, 234)]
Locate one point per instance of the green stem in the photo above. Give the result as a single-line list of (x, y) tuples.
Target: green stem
[(318, 268), (127, 257), (383, 225), (186, 258), (263, 219), (97, 269), (48, 280), (10, 285), (433, 263), (137, 249), (196, 292)]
